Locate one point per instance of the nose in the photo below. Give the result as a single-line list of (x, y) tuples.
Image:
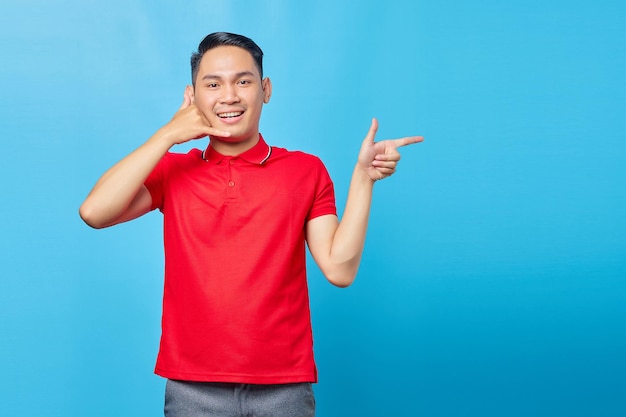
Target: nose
[(229, 94)]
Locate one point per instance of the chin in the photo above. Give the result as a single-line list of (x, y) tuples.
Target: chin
[(233, 138)]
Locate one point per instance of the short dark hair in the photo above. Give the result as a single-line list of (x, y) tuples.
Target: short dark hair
[(216, 39)]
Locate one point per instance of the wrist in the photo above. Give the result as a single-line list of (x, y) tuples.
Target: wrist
[(360, 174), (165, 137)]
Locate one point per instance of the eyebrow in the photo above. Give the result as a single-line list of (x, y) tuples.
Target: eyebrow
[(219, 77)]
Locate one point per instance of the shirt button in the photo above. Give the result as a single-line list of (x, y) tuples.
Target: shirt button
[(231, 183), (232, 162)]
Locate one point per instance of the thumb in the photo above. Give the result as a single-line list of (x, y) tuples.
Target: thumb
[(187, 98), (371, 134)]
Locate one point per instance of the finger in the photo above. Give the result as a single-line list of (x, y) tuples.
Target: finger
[(186, 103), (409, 140), (384, 164), (385, 171), (391, 154), (371, 134), (388, 158), (211, 131), (186, 98)]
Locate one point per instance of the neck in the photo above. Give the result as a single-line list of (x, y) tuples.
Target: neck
[(228, 148)]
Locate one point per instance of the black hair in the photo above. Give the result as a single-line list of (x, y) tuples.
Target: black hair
[(216, 39)]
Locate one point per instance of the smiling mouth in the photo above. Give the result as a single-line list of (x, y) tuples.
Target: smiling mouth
[(229, 115)]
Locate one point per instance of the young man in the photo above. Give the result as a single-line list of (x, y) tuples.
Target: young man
[(236, 330)]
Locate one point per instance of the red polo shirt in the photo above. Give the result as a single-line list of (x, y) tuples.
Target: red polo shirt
[(235, 303)]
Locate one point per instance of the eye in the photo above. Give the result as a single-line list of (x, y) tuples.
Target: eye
[(211, 85), (245, 82)]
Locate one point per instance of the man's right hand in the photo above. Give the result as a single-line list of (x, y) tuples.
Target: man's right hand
[(189, 123), (120, 194)]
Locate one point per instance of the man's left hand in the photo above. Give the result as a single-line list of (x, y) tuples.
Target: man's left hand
[(378, 160)]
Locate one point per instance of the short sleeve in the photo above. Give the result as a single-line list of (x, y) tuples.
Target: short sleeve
[(324, 202), (155, 184)]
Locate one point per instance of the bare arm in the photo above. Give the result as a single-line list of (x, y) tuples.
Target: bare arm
[(337, 246), (119, 195)]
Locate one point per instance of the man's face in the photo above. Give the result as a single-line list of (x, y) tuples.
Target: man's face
[(230, 93)]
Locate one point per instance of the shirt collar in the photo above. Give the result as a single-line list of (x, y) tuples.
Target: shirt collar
[(258, 154)]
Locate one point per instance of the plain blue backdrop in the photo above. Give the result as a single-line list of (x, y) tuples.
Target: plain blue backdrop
[(493, 282)]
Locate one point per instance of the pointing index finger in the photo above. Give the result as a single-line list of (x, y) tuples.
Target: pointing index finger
[(409, 140)]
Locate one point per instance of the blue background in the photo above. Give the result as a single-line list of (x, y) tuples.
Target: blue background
[(493, 282)]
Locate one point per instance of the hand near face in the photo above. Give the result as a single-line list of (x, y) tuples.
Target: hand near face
[(189, 123), (379, 159)]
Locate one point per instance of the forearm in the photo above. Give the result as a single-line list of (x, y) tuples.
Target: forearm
[(337, 247), (117, 188), (349, 239)]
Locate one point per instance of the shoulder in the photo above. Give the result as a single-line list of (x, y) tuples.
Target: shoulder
[(298, 167), (193, 156), (294, 157)]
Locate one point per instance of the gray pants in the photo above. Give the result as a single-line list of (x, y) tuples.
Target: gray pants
[(208, 399)]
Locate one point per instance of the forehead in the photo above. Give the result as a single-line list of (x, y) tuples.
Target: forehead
[(225, 60)]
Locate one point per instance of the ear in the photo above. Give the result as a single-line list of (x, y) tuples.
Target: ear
[(267, 89), (189, 92)]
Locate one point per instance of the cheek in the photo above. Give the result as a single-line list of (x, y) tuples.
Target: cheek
[(206, 111), (205, 97), (199, 101), (204, 105), (258, 101)]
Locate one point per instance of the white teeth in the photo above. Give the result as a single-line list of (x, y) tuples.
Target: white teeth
[(230, 114)]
